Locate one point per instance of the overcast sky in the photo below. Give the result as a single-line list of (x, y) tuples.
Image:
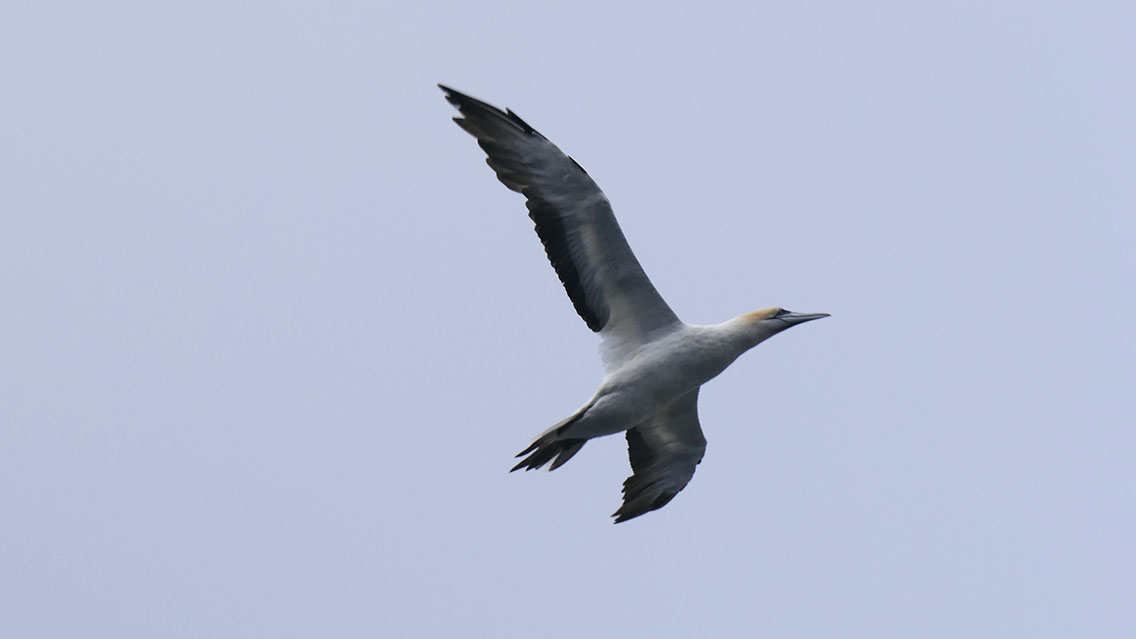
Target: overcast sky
[(272, 332)]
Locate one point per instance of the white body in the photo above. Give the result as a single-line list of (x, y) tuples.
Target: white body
[(662, 370)]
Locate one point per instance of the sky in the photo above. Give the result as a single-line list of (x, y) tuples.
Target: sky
[(273, 332)]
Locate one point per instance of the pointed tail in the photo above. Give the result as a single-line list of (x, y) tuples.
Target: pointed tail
[(547, 448), (550, 447)]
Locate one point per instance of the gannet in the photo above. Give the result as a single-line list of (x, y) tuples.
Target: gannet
[(654, 363)]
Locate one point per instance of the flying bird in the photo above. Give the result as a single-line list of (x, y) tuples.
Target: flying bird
[(654, 363)]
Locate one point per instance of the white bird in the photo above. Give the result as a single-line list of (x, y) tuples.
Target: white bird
[(654, 363)]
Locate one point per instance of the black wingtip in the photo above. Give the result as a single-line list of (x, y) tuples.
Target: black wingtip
[(479, 109), (459, 99), (621, 516), (453, 96)]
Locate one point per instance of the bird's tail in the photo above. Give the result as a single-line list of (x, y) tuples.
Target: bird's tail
[(551, 447), (546, 449)]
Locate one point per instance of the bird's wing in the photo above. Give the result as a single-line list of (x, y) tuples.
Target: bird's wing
[(576, 225), (664, 451)]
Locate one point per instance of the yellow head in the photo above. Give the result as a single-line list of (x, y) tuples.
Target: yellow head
[(763, 314), (767, 322)]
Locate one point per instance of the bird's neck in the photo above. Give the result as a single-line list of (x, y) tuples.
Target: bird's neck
[(746, 331)]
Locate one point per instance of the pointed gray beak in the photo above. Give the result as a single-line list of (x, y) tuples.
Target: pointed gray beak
[(793, 319)]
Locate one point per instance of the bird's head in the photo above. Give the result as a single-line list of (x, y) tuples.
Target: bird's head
[(768, 322)]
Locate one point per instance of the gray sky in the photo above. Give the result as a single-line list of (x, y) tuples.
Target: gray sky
[(273, 331)]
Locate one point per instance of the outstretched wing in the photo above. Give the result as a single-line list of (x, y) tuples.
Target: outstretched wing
[(664, 451), (576, 225)]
